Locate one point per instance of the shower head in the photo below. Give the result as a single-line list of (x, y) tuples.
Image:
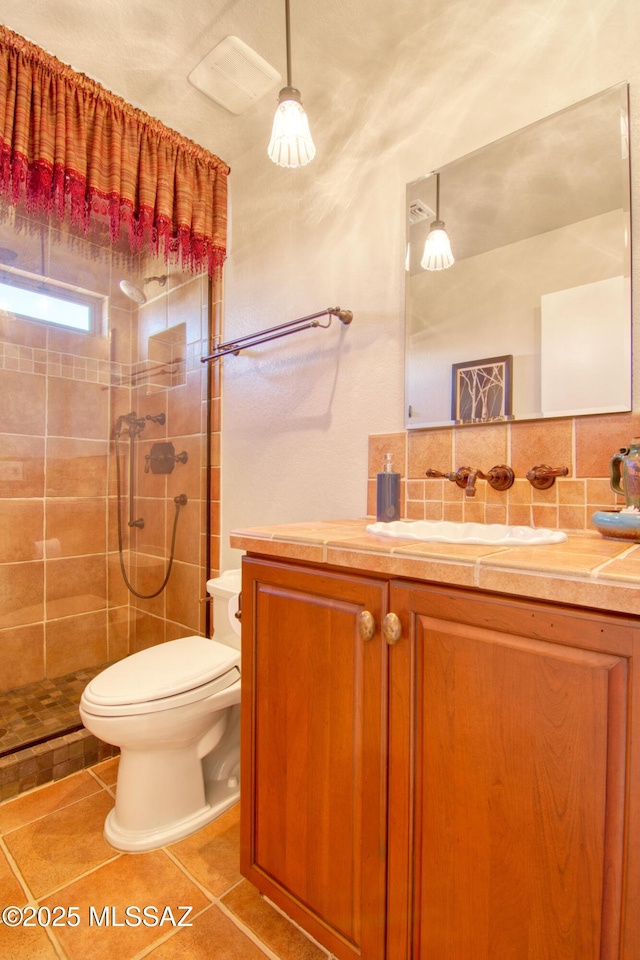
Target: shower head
[(135, 293)]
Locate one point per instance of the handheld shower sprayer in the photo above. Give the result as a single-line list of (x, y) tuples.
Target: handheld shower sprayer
[(162, 460)]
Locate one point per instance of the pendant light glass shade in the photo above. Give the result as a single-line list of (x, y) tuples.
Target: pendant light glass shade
[(291, 144), (437, 249), (437, 253)]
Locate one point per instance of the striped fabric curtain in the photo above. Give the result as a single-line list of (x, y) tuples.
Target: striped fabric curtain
[(69, 147)]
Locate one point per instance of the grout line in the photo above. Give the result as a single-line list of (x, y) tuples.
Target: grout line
[(297, 925), (49, 813), (31, 899), (146, 951), (56, 945), (97, 778), (16, 871), (217, 900), (208, 894), (49, 893), (234, 886), (81, 876), (247, 931), (620, 556), (214, 902), (110, 789)]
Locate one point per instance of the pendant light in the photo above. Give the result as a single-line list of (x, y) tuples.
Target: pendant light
[(291, 144), (437, 247)]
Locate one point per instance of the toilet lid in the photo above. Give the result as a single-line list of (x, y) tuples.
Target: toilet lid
[(164, 671)]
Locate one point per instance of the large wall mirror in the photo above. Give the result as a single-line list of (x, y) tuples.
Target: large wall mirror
[(533, 319)]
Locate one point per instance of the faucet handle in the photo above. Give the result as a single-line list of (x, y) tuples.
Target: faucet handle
[(461, 476), (542, 477)]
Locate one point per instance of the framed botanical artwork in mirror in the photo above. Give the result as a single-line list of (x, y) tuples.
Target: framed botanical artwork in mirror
[(481, 390)]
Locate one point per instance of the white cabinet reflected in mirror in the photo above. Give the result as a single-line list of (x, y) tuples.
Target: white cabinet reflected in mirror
[(533, 319)]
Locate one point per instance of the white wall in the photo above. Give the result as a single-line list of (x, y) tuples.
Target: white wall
[(297, 412)]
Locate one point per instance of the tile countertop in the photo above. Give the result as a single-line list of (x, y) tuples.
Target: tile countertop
[(587, 570)]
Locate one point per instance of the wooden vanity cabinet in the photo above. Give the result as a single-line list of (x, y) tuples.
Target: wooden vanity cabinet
[(512, 758), (313, 762), (466, 793)]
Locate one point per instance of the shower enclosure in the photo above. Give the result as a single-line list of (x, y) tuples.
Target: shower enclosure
[(65, 607)]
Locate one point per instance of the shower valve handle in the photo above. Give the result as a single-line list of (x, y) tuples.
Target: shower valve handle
[(163, 458)]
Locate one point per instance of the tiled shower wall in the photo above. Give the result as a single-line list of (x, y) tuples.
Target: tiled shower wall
[(583, 444), (63, 602), (176, 611)]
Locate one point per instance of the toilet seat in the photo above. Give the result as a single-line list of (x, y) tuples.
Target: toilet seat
[(163, 677)]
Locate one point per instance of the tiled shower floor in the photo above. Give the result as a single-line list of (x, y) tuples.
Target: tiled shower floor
[(41, 736), (42, 708)]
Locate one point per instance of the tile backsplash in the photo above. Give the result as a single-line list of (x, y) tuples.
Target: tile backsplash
[(583, 444)]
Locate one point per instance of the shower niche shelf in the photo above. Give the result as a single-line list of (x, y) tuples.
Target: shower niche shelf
[(166, 365)]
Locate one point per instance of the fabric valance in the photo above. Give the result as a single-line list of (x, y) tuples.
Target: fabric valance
[(71, 148)]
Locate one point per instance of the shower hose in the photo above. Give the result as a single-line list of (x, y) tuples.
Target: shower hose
[(179, 501)]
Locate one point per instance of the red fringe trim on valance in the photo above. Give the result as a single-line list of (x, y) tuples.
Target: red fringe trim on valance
[(73, 150)]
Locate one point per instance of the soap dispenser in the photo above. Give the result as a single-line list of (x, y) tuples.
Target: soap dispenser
[(388, 490)]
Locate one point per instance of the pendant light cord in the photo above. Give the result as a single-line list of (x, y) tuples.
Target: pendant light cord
[(288, 39)]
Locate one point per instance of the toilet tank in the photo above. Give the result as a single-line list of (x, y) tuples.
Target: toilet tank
[(225, 591)]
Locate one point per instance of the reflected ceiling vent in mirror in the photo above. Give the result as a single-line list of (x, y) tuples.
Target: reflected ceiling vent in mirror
[(234, 75), (418, 210)]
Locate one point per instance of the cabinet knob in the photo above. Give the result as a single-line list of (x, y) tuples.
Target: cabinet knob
[(391, 628), (366, 625)]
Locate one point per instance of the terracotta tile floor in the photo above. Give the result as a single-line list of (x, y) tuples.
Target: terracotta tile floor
[(53, 858)]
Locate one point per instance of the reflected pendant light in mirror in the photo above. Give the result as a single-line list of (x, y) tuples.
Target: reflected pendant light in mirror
[(437, 247), (291, 144)]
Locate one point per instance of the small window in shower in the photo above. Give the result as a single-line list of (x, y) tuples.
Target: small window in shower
[(49, 302)]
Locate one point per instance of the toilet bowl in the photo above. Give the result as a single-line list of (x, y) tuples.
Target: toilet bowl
[(174, 711)]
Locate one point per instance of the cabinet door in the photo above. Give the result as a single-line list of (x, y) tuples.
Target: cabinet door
[(313, 762), (515, 732)]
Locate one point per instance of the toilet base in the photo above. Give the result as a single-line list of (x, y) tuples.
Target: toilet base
[(220, 795)]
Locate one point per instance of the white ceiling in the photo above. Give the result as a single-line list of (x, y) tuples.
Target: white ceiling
[(143, 51)]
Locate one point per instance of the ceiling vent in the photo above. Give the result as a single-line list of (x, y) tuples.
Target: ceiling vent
[(234, 75), (418, 210)]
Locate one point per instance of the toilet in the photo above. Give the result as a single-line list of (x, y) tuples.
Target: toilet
[(174, 711)]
